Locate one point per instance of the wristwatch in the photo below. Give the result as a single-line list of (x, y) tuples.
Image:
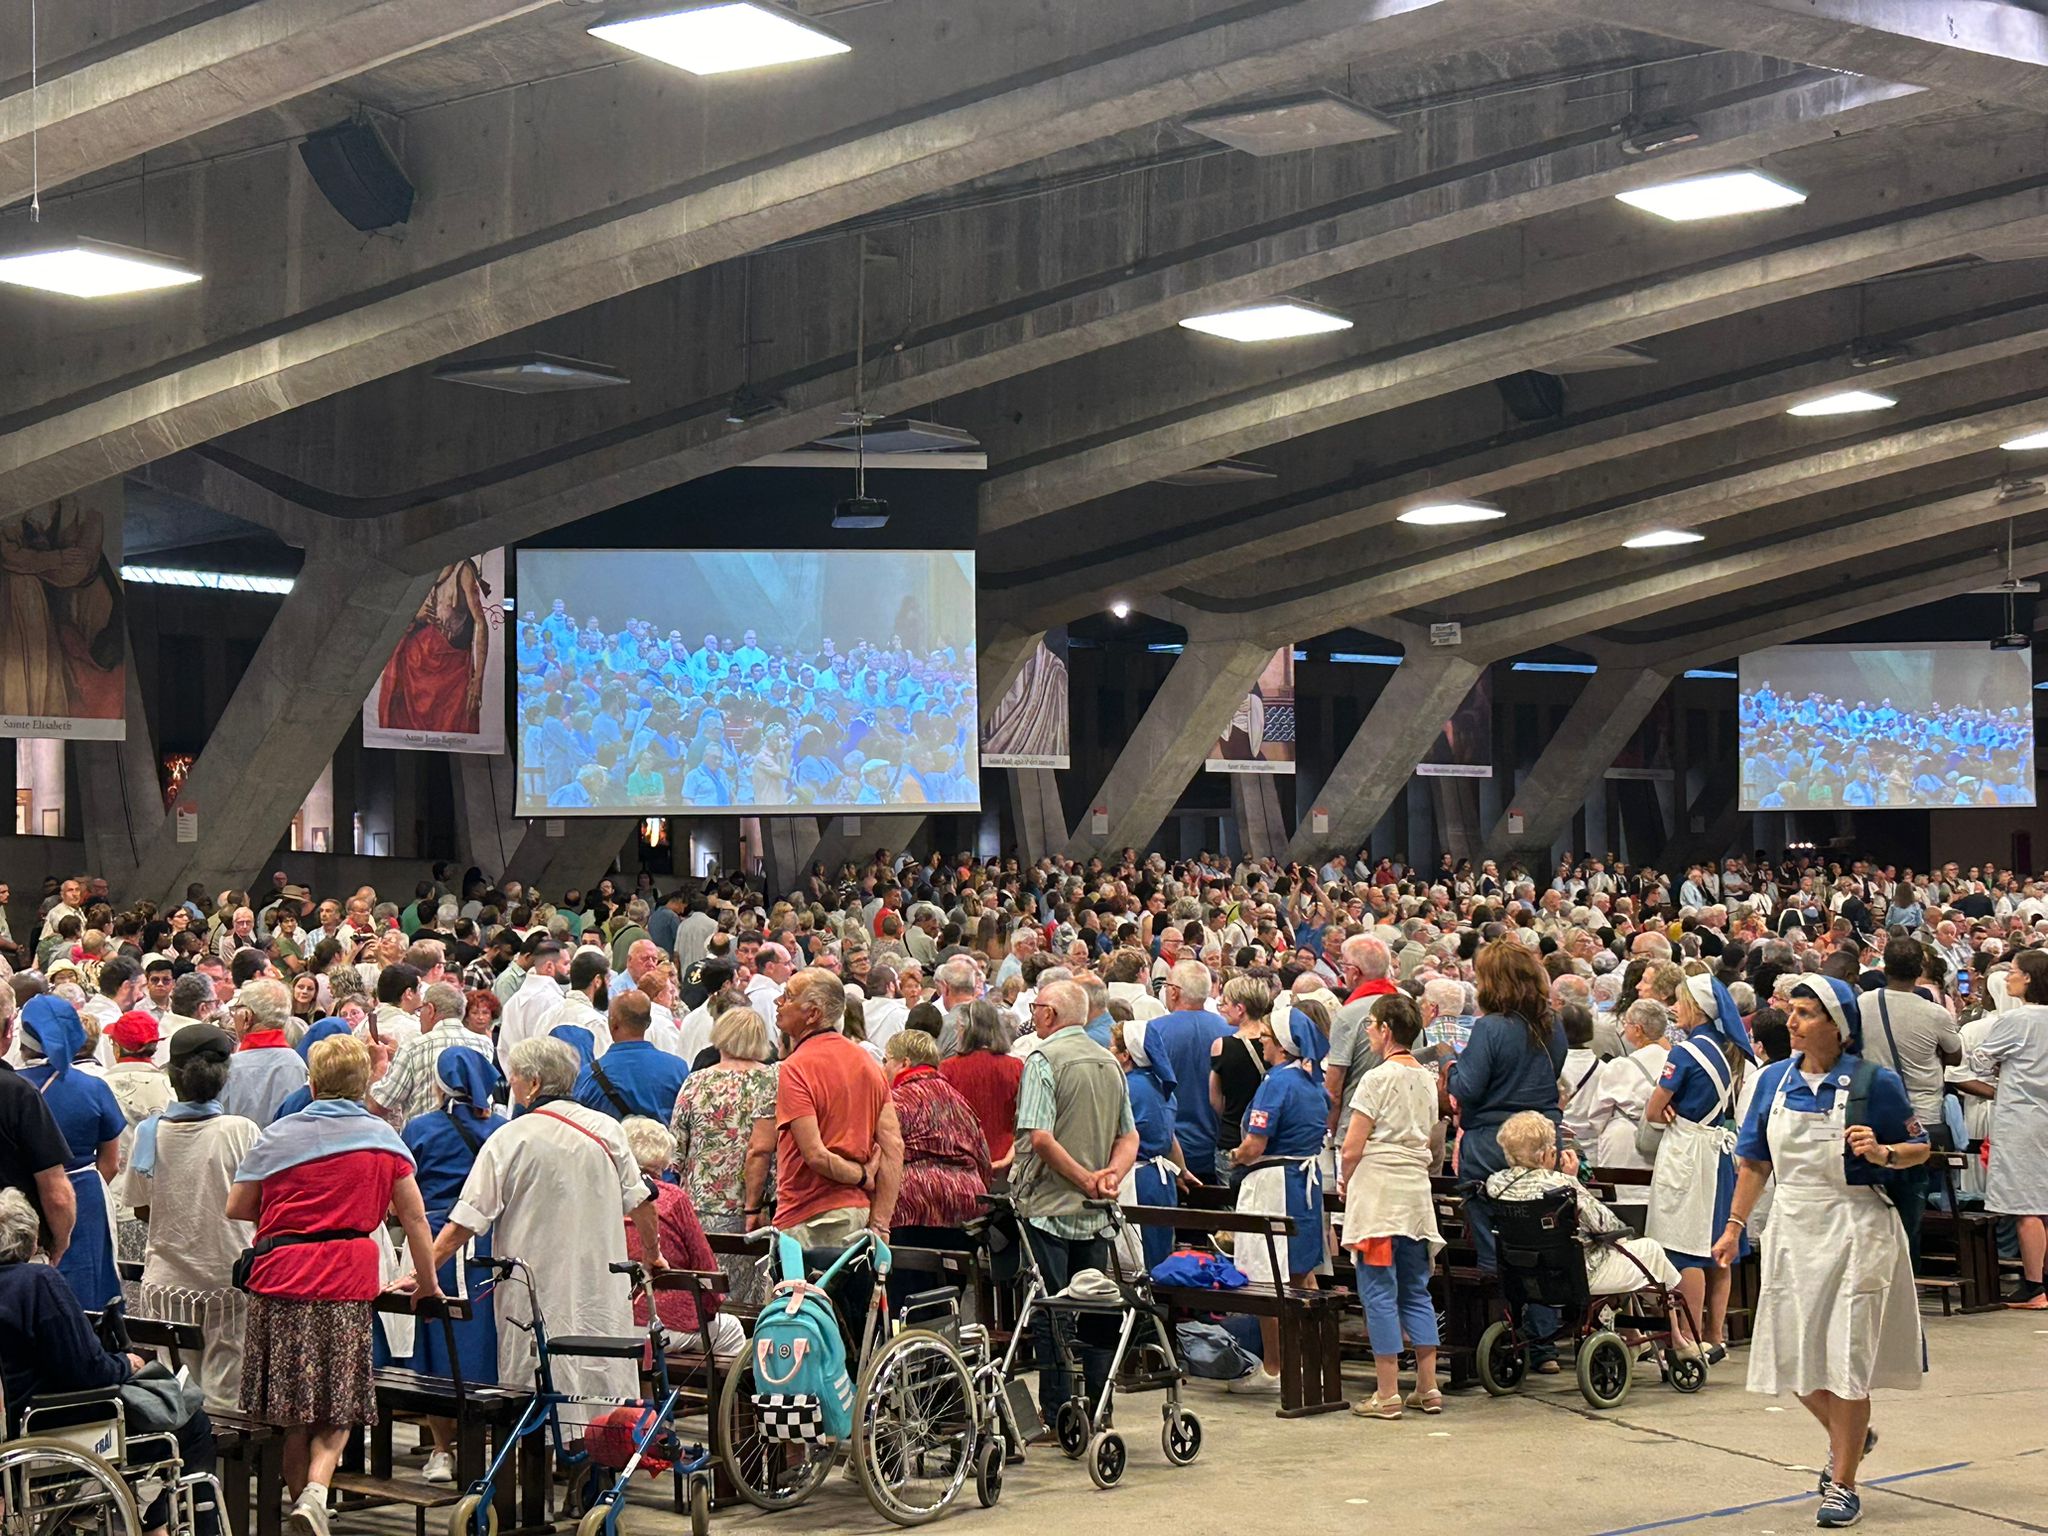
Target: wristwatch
[(1887, 1151)]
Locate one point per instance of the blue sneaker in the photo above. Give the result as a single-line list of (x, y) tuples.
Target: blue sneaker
[(1839, 1507), (1827, 1474)]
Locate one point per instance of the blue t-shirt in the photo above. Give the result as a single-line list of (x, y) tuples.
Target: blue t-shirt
[(1891, 1111), (1183, 1038), (1292, 1111)]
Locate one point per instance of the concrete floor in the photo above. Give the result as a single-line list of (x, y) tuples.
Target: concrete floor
[(1967, 1454)]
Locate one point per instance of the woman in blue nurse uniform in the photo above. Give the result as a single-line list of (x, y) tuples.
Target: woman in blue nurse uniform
[(1694, 1176), (1838, 1314), (1155, 1178), (91, 1120), (1284, 1126)]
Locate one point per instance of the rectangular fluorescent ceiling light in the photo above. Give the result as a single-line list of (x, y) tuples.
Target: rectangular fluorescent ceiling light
[(88, 269), (2026, 444), (1585, 667), (215, 581), (1449, 513), (1363, 659), (1710, 674), (1164, 648), (1719, 196), (1847, 402), (1279, 321), (1290, 124), (905, 436), (1222, 472), (719, 39), (530, 373), (1662, 538), (1602, 360)]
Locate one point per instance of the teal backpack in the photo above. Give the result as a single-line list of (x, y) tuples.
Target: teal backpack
[(801, 1389)]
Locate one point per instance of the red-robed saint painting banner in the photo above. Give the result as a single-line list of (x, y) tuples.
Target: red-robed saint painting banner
[(443, 689)]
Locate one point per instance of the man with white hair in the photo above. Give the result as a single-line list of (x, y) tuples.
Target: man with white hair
[(1184, 1036), (1366, 964), (266, 1070), (959, 984), (552, 1186)]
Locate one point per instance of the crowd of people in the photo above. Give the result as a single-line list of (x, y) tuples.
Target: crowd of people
[(281, 1107), (1815, 752), (631, 717)]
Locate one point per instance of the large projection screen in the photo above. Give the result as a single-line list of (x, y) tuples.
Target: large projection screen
[(670, 682), (1853, 727)]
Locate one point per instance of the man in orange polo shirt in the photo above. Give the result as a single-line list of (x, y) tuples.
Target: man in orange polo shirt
[(838, 1146)]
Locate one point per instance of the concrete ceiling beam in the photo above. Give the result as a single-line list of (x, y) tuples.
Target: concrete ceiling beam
[(1982, 48), (1613, 314), (894, 138), (224, 64)]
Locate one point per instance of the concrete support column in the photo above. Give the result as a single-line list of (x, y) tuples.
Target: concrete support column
[(1609, 708), (857, 837), (568, 853), (1255, 803), (305, 686), (1035, 811), (485, 793), (1425, 691), (1189, 712), (121, 798), (787, 842)]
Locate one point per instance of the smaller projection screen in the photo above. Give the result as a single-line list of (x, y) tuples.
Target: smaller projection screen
[(1853, 727), (666, 681)]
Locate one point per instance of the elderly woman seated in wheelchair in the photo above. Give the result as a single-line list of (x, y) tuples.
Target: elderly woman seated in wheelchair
[(82, 1427), (1561, 1246)]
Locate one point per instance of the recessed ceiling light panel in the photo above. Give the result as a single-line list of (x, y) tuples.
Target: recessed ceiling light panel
[(1718, 196), (530, 373), (1844, 402), (719, 39), (904, 436), (1222, 472), (1450, 513), (1602, 360), (1290, 124), (1663, 538), (80, 268), (1279, 321), (2027, 444)]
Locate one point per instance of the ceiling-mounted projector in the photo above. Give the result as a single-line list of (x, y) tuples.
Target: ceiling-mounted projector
[(2013, 642), (861, 512)]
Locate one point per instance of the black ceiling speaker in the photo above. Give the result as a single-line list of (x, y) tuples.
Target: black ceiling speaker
[(1532, 396), (357, 173)]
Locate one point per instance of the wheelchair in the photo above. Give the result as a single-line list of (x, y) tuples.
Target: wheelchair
[(76, 1465), (1543, 1262), (918, 1424)]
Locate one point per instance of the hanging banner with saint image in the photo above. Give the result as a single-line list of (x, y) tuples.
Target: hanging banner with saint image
[(443, 690), (63, 651), (1261, 734)]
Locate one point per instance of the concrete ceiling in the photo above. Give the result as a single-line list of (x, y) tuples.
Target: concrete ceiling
[(1037, 219)]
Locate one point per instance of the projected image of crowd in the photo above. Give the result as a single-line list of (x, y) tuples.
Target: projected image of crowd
[(1813, 752), (627, 717)]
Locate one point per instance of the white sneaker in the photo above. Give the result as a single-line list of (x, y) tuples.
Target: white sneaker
[(440, 1468), (1255, 1383), (309, 1515)]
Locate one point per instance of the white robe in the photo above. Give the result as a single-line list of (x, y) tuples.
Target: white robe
[(520, 1019), (577, 1010), (1621, 1093), (554, 1197)]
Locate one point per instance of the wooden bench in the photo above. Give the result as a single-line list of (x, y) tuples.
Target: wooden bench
[(1959, 1246), (1311, 1358), (484, 1414)]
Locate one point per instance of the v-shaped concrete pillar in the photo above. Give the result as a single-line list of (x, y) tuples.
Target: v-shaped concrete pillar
[(1606, 713)]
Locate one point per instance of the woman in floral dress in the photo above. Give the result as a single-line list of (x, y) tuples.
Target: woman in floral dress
[(724, 1125)]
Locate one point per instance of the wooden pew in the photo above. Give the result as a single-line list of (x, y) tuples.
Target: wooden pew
[(1959, 1247), (1311, 1361)]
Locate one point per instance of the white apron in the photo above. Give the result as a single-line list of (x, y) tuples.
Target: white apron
[(1264, 1193), (1686, 1180), (1389, 1196), (1838, 1312), (1130, 1241)]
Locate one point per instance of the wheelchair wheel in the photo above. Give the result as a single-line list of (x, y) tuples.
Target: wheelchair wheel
[(1106, 1459), (914, 1427), (1605, 1370), (40, 1476), (1181, 1436), (473, 1515), (769, 1473), (1687, 1374), (1070, 1424), (598, 1520), (1501, 1359), (700, 1506), (988, 1471)]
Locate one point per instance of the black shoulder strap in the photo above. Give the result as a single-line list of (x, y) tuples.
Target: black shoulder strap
[(1859, 1091), (618, 1100), (470, 1139), (1884, 1014)]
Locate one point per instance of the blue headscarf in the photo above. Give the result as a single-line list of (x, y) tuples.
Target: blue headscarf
[(469, 1076), (578, 1039), (53, 1024), (322, 1029), (1723, 1017), (1158, 1065), (1840, 1001)]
